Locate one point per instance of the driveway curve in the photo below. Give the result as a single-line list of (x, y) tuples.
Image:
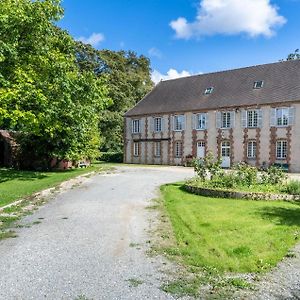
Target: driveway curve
[(90, 243)]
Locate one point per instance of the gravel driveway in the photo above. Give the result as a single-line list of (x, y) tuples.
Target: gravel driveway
[(91, 241)]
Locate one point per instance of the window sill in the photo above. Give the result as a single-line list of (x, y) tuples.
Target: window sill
[(179, 130), (200, 129)]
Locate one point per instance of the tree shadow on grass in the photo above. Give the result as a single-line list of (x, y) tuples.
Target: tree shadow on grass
[(11, 174), (281, 215)]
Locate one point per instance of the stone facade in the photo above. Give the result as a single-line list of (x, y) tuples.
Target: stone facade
[(266, 135)]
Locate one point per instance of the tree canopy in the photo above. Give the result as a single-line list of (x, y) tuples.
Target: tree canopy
[(129, 80), (44, 92)]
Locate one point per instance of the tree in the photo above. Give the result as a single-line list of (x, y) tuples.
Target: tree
[(294, 56), (129, 80), (43, 92)]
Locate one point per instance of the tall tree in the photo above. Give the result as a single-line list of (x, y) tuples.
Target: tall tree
[(294, 56), (129, 80), (43, 92)]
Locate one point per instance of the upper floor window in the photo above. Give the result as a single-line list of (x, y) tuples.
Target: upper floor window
[(157, 124), (252, 118), (200, 121), (258, 84), (136, 126), (251, 149), (281, 149), (282, 116), (179, 122), (226, 119), (209, 90)]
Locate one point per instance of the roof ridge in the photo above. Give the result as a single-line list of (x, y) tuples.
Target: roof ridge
[(229, 70)]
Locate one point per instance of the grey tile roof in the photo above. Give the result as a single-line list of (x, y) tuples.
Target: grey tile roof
[(232, 88)]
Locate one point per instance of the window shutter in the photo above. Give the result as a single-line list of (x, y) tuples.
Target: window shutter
[(184, 122), (141, 125), (206, 120), (273, 117), (244, 118), (291, 115), (152, 124), (260, 118), (162, 124), (218, 119), (194, 120), (131, 126), (232, 119)]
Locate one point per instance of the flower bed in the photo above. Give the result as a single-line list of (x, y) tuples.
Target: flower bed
[(233, 194)]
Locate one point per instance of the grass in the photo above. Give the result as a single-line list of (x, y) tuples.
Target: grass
[(235, 236), (15, 184), (133, 282)]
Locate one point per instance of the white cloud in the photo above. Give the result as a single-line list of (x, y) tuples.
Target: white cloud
[(231, 17), (154, 52), (94, 39), (156, 76)]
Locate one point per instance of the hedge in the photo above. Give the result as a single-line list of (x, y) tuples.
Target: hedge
[(112, 157)]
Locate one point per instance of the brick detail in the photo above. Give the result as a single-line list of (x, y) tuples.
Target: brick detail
[(194, 143), (182, 146), (231, 140), (206, 141), (170, 141), (289, 145), (272, 152), (146, 144), (125, 141), (219, 142), (245, 144), (257, 163), (153, 149), (161, 149), (140, 149)]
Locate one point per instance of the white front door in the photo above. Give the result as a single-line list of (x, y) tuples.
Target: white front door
[(200, 150), (225, 154)]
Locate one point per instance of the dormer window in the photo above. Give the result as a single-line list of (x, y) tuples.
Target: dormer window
[(209, 91), (258, 84)]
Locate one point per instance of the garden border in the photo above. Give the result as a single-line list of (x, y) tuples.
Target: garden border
[(219, 193)]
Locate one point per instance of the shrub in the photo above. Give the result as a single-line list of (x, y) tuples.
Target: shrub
[(292, 187), (273, 175), (207, 166), (112, 156), (246, 174), (224, 180)]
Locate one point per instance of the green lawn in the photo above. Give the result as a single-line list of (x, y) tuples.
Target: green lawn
[(230, 235), (16, 184)]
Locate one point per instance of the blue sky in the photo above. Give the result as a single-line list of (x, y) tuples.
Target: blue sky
[(184, 37)]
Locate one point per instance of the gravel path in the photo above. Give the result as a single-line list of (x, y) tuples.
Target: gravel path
[(91, 241)]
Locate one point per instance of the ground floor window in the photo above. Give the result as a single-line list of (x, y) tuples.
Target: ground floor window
[(136, 149), (251, 149), (157, 149), (281, 149), (178, 149), (225, 149)]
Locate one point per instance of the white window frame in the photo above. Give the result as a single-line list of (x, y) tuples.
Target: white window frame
[(280, 114), (178, 149), (259, 84), (281, 149), (201, 121), (179, 122), (157, 124), (225, 149), (157, 149), (252, 118), (136, 149), (136, 126), (228, 121), (251, 149), (209, 90)]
